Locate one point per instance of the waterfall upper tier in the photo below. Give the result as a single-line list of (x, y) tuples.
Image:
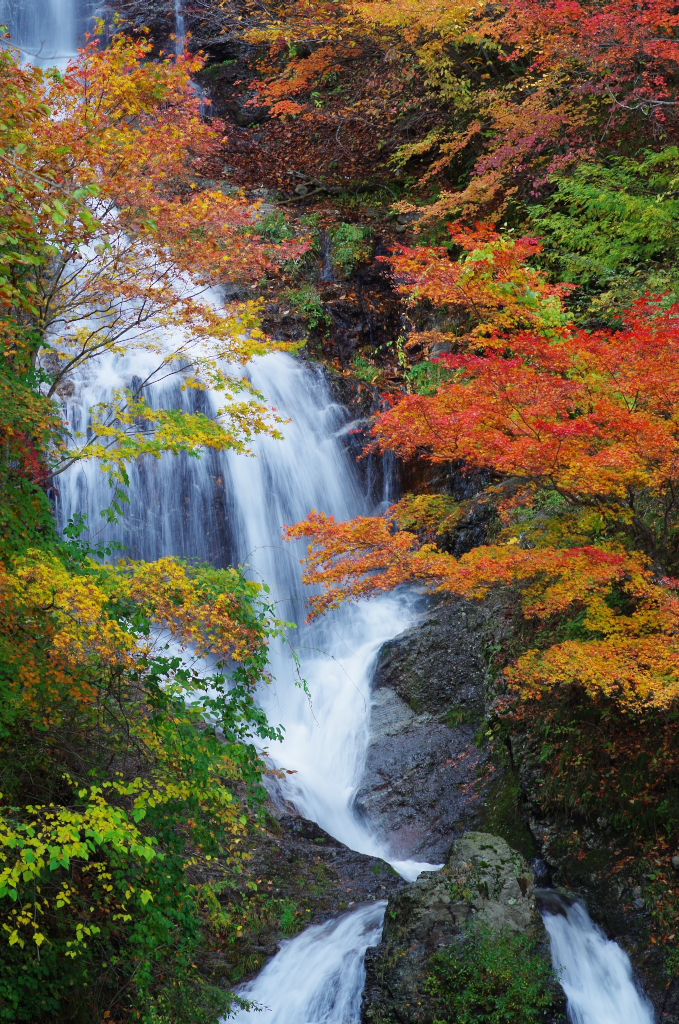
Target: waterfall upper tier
[(47, 32)]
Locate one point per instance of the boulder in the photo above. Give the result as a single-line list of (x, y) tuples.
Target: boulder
[(483, 880), (421, 783)]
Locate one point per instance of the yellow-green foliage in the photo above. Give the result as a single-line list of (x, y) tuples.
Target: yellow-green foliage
[(612, 229)]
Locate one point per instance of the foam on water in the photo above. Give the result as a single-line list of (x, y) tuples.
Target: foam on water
[(318, 977), (595, 973)]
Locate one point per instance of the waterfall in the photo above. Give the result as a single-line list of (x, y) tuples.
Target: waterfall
[(320, 971), (46, 31), (595, 973), (229, 507), (179, 28)]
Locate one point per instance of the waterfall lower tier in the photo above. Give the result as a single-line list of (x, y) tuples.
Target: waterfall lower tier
[(595, 973), (318, 977)]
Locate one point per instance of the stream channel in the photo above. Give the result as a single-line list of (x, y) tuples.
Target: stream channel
[(227, 508)]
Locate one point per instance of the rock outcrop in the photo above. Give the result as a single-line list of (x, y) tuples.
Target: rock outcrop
[(423, 783), (483, 880), (303, 876)]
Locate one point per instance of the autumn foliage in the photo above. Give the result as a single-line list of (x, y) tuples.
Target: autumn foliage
[(538, 365), (115, 244), (584, 420), (488, 102), (129, 775), (492, 289)]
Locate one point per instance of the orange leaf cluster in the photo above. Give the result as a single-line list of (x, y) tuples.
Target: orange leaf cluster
[(492, 288), (591, 415), (586, 420), (633, 656)]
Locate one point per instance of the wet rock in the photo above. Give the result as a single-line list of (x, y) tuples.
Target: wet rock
[(437, 665), (328, 874), (421, 776), (303, 871), (421, 785), (483, 880)]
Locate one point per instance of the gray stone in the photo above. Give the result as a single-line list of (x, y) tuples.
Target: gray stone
[(496, 881), (420, 786), (483, 880), (441, 348), (265, 210)]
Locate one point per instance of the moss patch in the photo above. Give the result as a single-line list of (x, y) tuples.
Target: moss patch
[(493, 978), (501, 814)]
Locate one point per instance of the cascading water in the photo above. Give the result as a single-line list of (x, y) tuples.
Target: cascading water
[(321, 972), (179, 28), (232, 507), (595, 973), (228, 507), (47, 31)]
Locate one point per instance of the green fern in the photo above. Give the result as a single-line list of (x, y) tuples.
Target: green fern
[(613, 229)]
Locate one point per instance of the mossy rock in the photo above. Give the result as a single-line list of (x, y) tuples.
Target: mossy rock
[(485, 889)]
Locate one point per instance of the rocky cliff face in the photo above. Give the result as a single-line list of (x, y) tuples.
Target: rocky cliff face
[(427, 776), (483, 881), (426, 782)]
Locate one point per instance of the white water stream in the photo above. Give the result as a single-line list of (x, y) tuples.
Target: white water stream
[(47, 31), (595, 973), (320, 973), (179, 28), (226, 508)]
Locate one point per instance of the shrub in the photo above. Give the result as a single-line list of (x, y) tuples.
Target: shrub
[(350, 245), (309, 304), (492, 978), (365, 371)]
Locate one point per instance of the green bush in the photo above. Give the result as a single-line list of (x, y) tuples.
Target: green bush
[(215, 70), (350, 245), (426, 377), (612, 229), (275, 227), (366, 371), (492, 978), (309, 304)]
